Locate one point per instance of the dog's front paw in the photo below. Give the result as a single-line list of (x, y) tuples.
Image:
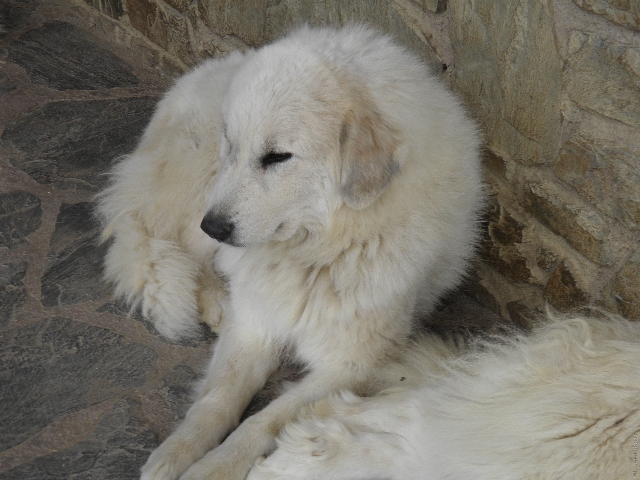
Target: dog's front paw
[(259, 472), (273, 468), (219, 466), (212, 298), (304, 455), (211, 303), (169, 461), (310, 461)]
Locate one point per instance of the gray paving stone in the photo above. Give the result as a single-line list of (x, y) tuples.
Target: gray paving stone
[(59, 366), (6, 85), (72, 144), (178, 389), (74, 263), (12, 291), (20, 216), (61, 56), (119, 308), (115, 450), (15, 14)]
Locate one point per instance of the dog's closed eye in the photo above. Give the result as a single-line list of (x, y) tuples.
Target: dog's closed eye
[(273, 157)]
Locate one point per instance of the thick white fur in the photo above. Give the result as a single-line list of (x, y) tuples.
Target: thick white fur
[(372, 217), (563, 403)]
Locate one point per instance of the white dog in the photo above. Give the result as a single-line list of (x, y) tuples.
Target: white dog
[(563, 403), (341, 182)]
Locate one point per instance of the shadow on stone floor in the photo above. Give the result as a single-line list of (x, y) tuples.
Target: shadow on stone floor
[(87, 390)]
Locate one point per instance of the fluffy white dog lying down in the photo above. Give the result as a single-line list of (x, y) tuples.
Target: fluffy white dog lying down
[(341, 183), (563, 403)]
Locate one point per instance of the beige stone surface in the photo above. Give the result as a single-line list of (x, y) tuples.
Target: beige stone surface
[(257, 22), (112, 8), (601, 76), (501, 246), (583, 228), (606, 175), (509, 70), (562, 290), (622, 12), (432, 5), (180, 5), (626, 288), (429, 27)]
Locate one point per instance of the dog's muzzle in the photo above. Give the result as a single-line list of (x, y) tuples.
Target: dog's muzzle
[(217, 227)]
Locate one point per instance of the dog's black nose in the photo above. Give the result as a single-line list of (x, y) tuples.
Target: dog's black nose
[(217, 226)]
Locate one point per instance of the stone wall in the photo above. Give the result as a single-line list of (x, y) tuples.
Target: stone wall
[(555, 85)]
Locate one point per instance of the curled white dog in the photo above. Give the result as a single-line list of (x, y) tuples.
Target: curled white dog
[(309, 197)]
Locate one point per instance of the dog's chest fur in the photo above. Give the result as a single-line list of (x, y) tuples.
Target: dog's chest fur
[(303, 305)]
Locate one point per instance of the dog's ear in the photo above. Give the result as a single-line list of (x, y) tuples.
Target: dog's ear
[(370, 151)]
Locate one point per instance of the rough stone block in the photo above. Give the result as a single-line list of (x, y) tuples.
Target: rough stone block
[(257, 22), (115, 450), (177, 389), (631, 60), (508, 261), (608, 177), (597, 78), (562, 291), (505, 230), (143, 17), (622, 12), (6, 85), (494, 164), (59, 55), (583, 228), (626, 288), (499, 249), (205, 43), (474, 288), (20, 216), (521, 315), (74, 264), (113, 8), (72, 144), (180, 5), (546, 259), (58, 366), (435, 6), (12, 291), (15, 14), (509, 71), (163, 25)]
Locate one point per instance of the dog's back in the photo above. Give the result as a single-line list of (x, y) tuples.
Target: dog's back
[(563, 403)]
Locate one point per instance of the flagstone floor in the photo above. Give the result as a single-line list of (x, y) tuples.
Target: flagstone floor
[(87, 391)]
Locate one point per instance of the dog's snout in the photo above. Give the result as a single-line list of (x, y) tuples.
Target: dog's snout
[(218, 227)]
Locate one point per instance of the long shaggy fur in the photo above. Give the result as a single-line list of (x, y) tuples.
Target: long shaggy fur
[(561, 403)]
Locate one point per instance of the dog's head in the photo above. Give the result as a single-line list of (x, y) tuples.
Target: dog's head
[(302, 138)]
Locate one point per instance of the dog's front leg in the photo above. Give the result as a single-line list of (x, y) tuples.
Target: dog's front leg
[(256, 435), (241, 363)]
